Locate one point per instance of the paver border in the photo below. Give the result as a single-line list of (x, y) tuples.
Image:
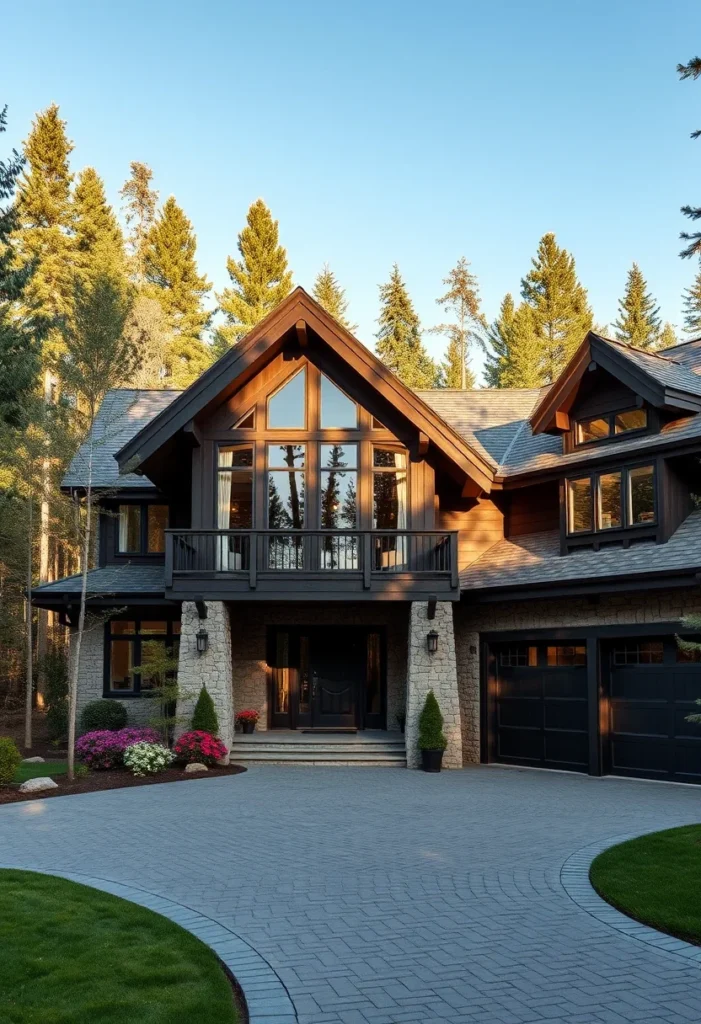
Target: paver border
[(574, 876), (267, 998)]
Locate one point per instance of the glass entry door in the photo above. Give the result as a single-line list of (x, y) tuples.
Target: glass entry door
[(326, 677)]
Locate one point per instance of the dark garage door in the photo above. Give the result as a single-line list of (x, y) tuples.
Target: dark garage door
[(652, 688), (540, 707)]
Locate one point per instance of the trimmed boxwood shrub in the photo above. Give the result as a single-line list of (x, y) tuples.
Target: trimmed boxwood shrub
[(204, 718), (103, 714), (431, 725), (10, 759)]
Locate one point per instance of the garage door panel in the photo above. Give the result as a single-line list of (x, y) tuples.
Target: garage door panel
[(682, 727), (686, 686), (521, 744), (648, 720), (567, 749), (570, 684), (629, 754), (563, 714), (687, 760), (523, 683), (527, 714), (640, 683)]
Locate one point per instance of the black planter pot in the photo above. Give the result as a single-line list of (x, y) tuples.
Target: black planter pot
[(431, 760), (248, 726)]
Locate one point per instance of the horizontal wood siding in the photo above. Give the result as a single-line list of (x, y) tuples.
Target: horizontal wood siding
[(533, 510), (480, 524)]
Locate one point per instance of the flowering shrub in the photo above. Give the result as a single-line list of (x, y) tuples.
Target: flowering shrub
[(147, 758), (199, 746), (105, 749), (247, 715)]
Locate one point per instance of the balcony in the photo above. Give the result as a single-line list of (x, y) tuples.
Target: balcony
[(398, 565)]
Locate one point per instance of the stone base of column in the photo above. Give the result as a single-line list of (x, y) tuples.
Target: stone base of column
[(437, 672), (213, 669)]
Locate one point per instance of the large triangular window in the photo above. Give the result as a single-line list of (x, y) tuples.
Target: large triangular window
[(287, 407), (338, 411)]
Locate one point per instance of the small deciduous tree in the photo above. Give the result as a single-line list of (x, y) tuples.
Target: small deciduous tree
[(468, 325)]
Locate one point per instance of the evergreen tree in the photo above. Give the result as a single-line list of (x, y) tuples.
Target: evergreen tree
[(147, 329), (329, 294), (523, 367), (171, 273), (140, 212), (668, 337), (499, 338), (399, 344), (462, 300), (561, 310), (639, 322), (19, 365), (260, 279), (98, 239), (692, 306), (691, 70)]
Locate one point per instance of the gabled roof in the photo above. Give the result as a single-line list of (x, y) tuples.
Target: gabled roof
[(245, 359), (661, 381)]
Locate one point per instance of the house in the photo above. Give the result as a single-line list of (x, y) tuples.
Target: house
[(325, 545)]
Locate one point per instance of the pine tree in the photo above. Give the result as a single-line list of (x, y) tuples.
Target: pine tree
[(147, 329), (399, 343), (523, 368), (639, 322), (98, 239), (463, 301), (668, 337), (692, 306), (691, 70), (260, 279), (140, 212), (561, 310), (172, 279), (499, 338), (329, 294)]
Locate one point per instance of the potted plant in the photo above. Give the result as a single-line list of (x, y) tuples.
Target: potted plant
[(247, 719), (432, 742)]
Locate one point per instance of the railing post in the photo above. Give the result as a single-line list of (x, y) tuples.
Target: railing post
[(253, 561), (367, 560), (169, 560), (454, 578)]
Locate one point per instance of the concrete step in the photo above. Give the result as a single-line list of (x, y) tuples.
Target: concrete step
[(342, 757), (329, 750)]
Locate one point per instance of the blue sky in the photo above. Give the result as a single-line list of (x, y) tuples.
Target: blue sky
[(389, 131)]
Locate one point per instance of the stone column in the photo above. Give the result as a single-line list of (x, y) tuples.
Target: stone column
[(435, 672), (212, 669)]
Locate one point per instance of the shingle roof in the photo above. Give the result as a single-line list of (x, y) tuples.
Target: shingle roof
[(535, 559), (688, 354), (122, 414), (666, 369), (111, 579)]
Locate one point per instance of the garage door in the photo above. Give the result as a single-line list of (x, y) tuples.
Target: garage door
[(653, 686), (540, 707)]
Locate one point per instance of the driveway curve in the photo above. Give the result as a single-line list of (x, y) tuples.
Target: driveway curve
[(383, 896)]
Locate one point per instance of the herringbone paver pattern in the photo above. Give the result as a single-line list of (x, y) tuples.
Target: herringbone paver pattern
[(383, 896)]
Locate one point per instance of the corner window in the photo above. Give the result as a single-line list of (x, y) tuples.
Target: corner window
[(140, 656), (141, 529), (624, 498), (598, 428)]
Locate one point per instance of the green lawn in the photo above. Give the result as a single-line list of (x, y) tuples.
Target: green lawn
[(655, 879), (37, 771), (73, 955)]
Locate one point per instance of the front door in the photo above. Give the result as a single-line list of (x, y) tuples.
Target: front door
[(337, 668)]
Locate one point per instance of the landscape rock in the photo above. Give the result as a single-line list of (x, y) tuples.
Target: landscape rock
[(196, 767), (33, 760), (37, 785)]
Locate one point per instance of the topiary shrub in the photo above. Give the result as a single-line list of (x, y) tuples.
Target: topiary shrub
[(10, 759), (103, 714), (204, 717), (199, 746), (431, 725)]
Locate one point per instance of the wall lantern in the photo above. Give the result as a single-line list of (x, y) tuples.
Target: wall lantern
[(432, 641), (202, 641)]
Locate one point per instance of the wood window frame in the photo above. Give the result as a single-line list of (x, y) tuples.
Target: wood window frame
[(237, 445), (143, 552), (627, 531), (610, 417), (136, 638)]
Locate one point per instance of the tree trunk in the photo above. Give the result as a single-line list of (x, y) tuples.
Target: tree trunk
[(29, 645), (44, 520), (75, 654)]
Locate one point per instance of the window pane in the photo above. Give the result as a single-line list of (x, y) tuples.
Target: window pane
[(609, 500), (389, 501), (641, 482), (567, 655), (285, 500), (343, 456), (337, 410), (235, 500), (377, 425), (247, 421), (283, 455), (388, 457), (593, 429), (580, 505), (235, 457), (153, 627), (157, 523), (121, 664), (130, 528), (338, 500), (154, 656), (632, 653), (122, 626), (634, 419), (281, 674), (286, 408), (176, 628)]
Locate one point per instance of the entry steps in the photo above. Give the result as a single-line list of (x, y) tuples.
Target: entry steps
[(369, 749)]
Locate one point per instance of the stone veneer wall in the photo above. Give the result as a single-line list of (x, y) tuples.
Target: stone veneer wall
[(249, 622), (607, 610), (212, 669), (435, 672), (91, 677)]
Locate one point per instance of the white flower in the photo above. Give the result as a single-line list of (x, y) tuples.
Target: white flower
[(147, 758)]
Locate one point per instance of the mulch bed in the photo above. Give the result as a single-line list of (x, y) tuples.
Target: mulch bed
[(114, 779)]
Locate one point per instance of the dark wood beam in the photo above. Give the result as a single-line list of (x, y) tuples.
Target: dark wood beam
[(423, 443), (302, 338), (471, 489), (562, 420), (193, 434)]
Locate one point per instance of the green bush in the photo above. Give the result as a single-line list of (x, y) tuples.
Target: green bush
[(103, 714), (55, 669), (10, 760), (204, 717), (431, 725)]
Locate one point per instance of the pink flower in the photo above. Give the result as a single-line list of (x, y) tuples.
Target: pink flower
[(198, 745)]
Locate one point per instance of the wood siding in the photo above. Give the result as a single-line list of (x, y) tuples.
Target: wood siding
[(480, 523)]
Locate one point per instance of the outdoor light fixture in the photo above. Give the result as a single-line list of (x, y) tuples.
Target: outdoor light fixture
[(202, 641), (432, 641)]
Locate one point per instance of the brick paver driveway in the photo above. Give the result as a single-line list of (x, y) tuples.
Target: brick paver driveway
[(382, 895)]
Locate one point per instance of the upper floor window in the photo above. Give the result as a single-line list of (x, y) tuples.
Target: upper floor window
[(287, 407), (235, 488), (141, 529), (339, 486), (286, 486), (597, 428), (338, 411), (389, 488), (611, 500)]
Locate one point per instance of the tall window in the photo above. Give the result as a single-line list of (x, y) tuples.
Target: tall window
[(133, 646), (389, 506), (339, 505), (611, 500), (141, 529), (234, 505), (286, 495), (287, 407)]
